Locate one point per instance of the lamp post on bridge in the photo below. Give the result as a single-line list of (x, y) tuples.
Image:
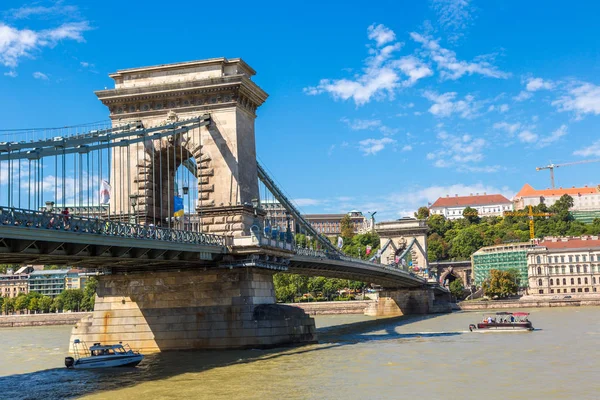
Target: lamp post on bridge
[(288, 231), (133, 201), (49, 206), (186, 191)]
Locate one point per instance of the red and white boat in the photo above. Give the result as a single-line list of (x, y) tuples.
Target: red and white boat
[(503, 321)]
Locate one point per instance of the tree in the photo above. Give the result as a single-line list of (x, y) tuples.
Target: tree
[(89, 294), (8, 306), (438, 224), (5, 267), (33, 305), (72, 299), (57, 304), (561, 208), (346, 228), (466, 242), (21, 302), (457, 289), (501, 284), (422, 213), (471, 215), (45, 304), (437, 248)]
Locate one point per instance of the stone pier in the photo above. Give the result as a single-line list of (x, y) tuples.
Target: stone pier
[(213, 309), (398, 302)]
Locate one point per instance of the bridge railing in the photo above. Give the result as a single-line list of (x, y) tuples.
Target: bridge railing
[(336, 256), (32, 219)]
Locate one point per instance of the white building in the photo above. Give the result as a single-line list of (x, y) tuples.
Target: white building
[(564, 265), (584, 198), (487, 205)]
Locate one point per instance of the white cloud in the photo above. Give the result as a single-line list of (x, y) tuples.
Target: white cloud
[(503, 108), (85, 64), (374, 146), (523, 95), (306, 202), (509, 128), (527, 136), (444, 105), (381, 75), (449, 65), (381, 34), (362, 124), (453, 16), (40, 75), (591, 150), (583, 98), (407, 147), (392, 205), (535, 84), (414, 68), (16, 44), (27, 11), (457, 151), (12, 74), (553, 137)]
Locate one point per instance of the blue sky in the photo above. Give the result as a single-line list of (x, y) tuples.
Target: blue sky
[(380, 108)]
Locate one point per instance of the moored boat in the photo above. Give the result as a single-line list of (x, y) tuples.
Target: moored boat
[(504, 321), (102, 356)]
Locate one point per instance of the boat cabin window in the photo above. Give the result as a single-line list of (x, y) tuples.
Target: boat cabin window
[(103, 352)]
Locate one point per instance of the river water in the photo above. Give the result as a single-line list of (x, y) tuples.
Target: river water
[(431, 357)]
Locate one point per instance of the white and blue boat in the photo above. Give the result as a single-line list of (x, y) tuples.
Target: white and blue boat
[(102, 356)]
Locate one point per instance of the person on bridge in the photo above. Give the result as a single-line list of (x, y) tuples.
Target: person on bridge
[(65, 214)]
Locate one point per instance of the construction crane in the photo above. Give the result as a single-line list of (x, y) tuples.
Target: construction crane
[(552, 166), (529, 214)]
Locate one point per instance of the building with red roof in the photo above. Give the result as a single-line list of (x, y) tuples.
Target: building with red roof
[(485, 204), (565, 265), (584, 198)]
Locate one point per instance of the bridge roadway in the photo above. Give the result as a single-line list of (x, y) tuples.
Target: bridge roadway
[(36, 237)]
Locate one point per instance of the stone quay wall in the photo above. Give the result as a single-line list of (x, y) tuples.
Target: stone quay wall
[(500, 305), (9, 321), (334, 307)]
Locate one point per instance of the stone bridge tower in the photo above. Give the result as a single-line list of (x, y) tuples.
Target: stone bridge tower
[(401, 233), (224, 152)]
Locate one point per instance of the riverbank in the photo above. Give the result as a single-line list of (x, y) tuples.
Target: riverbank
[(9, 321), (334, 307), (542, 303)]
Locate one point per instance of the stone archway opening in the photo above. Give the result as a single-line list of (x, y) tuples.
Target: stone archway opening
[(173, 193)]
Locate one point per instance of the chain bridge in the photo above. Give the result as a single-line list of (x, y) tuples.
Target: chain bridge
[(165, 200)]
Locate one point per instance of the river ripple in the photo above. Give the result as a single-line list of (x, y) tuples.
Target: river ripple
[(434, 357)]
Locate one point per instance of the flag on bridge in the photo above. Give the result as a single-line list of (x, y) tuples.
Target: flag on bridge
[(178, 206), (340, 243), (105, 190)]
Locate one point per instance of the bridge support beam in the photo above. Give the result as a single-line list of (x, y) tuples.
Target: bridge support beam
[(396, 302), (212, 309)]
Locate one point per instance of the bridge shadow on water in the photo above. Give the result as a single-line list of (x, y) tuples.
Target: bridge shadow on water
[(61, 383)]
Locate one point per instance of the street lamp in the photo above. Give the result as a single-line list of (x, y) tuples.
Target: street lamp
[(49, 206), (288, 232), (186, 191), (133, 202), (255, 204)]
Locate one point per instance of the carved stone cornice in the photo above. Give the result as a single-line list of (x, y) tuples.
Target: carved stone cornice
[(197, 95)]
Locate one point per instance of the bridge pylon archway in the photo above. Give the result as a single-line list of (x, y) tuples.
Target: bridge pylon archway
[(403, 236), (224, 151)]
